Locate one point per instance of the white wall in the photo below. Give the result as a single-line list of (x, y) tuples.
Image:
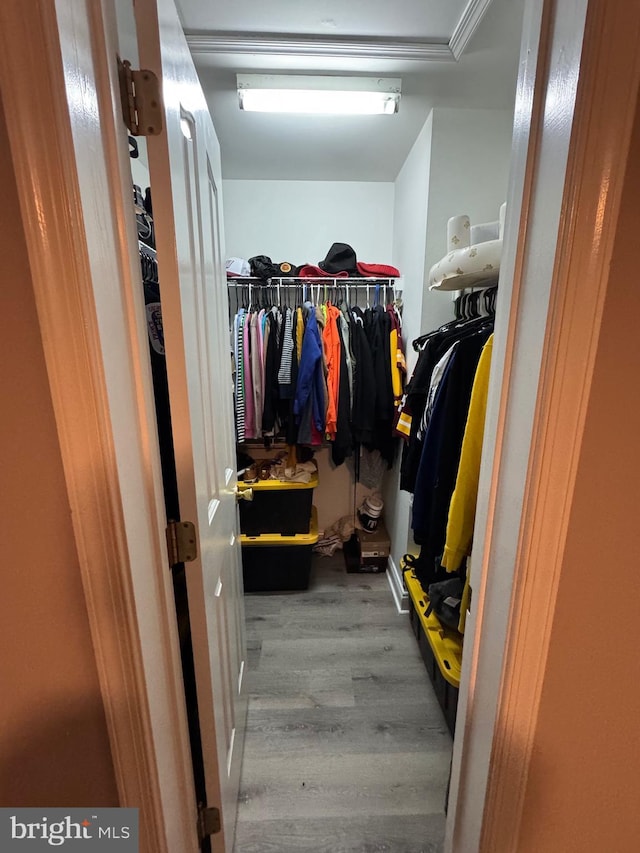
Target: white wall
[(458, 164), (297, 221), (409, 233), (471, 151)]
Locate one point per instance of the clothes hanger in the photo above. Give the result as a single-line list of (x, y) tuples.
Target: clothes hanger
[(474, 308)]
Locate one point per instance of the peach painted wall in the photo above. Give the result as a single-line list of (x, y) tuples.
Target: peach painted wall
[(582, 791), (54, 748)]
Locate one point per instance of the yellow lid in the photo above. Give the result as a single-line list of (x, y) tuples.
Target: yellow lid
[(309, 538), (446, 644), (278, 485)]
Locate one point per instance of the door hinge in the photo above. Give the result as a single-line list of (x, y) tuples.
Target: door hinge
[(182, 544), (208, 821), (141, 100)]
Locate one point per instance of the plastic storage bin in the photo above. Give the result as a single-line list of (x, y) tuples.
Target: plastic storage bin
[(274, 562), (278, 506), (440, 647)]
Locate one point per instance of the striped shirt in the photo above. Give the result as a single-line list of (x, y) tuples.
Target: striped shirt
[(238, 351), (284, 373)]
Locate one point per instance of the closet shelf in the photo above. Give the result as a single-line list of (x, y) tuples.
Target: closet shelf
[(480, 279), (294, 281)]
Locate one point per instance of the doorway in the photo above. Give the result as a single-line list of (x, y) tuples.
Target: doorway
[(17, 114), (401, 221)]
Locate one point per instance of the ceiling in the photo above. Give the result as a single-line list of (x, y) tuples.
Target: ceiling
[(449, 53)]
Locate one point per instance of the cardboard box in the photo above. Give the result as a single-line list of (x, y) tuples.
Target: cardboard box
[(368, 552)]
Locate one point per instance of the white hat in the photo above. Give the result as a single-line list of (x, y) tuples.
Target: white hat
[(238, 267)]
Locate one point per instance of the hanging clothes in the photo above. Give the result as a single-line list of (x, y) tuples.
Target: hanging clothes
[(287, 392), (346, 343), (398, 361), (257, 367), (433, 347), (317, 373), (250, 410), (434, 384), (462, 510), (437, 470), (273, 347), (452, 354), (331, 340), (364, 383), (284, 370), (378, 328), (310, 388), (299, 332), (342, 445)]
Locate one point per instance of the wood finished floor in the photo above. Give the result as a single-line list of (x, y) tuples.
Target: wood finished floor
[(346, 749)]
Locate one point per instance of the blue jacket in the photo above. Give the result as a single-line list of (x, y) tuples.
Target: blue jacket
[(310, 376)]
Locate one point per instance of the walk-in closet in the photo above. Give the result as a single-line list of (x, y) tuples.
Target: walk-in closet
[(362, 265), (319, 429), (353, 669)]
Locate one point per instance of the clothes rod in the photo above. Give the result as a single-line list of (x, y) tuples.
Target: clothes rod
[(300, 282)]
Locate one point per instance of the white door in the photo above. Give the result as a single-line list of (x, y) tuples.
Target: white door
[(73, 48), (185, 178)]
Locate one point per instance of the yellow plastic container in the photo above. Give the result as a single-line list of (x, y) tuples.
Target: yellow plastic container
[(278, 506), (278, 485), (445, 643), (440, 647)]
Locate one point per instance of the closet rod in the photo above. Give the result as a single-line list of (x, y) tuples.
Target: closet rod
[(297, 282)]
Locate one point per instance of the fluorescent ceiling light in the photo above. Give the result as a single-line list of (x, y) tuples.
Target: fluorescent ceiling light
[(283, 93)]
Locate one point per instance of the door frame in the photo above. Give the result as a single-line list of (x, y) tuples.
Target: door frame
[(605, 110), (51, 209), (577, 92), (112, 494)]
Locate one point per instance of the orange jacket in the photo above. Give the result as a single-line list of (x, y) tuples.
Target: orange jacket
[(331, 338)]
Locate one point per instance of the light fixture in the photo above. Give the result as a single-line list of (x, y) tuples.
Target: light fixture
[(284, 93)]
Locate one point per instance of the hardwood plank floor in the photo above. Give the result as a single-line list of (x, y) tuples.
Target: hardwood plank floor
[(346, 749)]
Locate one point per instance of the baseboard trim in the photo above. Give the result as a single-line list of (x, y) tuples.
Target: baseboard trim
[(400, 595)]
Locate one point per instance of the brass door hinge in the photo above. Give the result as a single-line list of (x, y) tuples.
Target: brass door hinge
[(182, 544), (208, 821), (141, 100)]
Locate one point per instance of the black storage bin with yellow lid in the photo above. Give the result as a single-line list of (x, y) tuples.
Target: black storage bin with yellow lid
[(278, 506), (440, 647), (275, 562)]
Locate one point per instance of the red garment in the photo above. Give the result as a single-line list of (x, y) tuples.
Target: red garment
[(383, 270), (331, 339), (316, 436), (312, 271)]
